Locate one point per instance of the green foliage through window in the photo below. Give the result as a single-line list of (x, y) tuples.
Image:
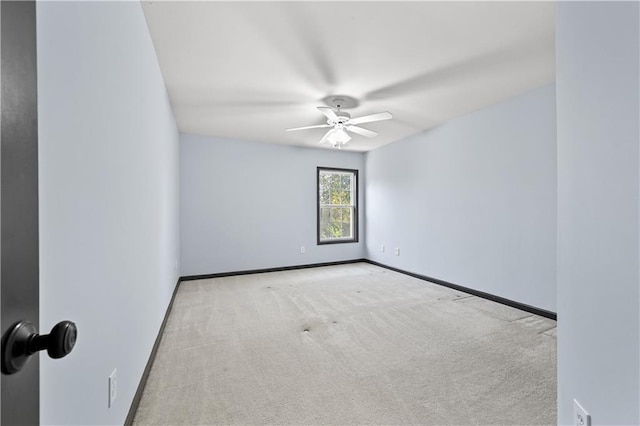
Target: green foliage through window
[(337, 194)]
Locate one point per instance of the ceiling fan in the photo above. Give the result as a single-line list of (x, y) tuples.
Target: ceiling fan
[(341, 123)]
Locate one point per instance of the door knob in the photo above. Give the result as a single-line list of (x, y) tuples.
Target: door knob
[(22, 340)]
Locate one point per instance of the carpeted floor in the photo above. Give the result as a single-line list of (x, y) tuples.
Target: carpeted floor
[(346, 345)]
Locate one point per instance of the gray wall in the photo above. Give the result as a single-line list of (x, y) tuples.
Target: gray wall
[(248, 205), (108, 202), (473, 201), (598, 52)]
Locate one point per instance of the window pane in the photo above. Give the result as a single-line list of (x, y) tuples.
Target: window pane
[(335, 222), (346, 223), (345, 188), (335, 189), (325, 223), (325, 195)]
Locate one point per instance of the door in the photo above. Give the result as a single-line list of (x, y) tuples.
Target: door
[(19, 200)]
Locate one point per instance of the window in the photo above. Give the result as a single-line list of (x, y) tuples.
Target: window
[(337, 205)]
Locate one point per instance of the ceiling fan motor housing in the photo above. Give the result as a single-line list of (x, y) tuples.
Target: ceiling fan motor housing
[(343, 117)]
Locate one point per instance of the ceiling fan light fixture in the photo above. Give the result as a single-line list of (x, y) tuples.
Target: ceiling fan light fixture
[(339, 137)]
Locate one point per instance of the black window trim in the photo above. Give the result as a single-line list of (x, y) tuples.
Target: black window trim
[(355, 207)]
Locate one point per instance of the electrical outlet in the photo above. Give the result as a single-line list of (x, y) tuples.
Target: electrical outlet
[(580, 415), (302, 250), (113, 386), (382, 248), (397, 251)]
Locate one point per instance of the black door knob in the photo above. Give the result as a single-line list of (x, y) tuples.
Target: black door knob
[(22, 340)]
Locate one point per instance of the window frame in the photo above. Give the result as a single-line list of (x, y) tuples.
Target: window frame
[(354, 238)]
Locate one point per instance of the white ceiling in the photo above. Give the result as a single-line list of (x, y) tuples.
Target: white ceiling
[(250, 70)]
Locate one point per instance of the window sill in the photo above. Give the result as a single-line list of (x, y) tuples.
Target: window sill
[(351, 240)]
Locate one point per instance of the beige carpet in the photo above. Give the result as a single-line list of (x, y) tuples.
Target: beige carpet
[(346, 345)]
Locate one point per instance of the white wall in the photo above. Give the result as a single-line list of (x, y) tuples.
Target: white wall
[(248, 205), (473, 202), (108, 202), (598, 54)]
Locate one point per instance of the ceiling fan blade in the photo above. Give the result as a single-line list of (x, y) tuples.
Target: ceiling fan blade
[(326, 136), (329, 112), (361, 131), (369, 118), (471, 68), (308, 127)]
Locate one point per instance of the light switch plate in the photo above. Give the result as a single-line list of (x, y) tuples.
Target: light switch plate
[(580, 415)]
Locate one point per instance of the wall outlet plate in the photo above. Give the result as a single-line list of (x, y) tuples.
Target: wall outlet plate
[(397, 251), (580, 415), (113, 387), (302, 250), (382, 248)]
